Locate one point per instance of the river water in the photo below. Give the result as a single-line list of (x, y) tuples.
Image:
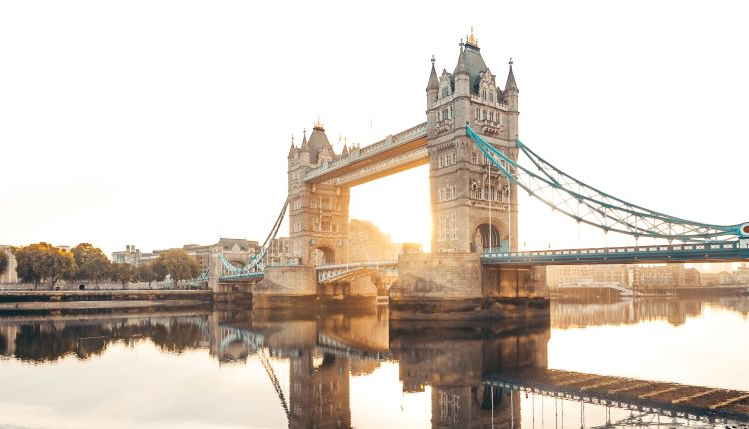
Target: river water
[(358, 369)]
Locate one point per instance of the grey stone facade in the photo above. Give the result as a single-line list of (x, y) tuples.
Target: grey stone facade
[(318, 213), (473, 206)]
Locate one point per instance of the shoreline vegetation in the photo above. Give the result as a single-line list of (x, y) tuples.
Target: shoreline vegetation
[(86, 266)]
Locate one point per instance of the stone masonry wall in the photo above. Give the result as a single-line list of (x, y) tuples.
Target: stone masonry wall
[(288, 281), (438, 276)]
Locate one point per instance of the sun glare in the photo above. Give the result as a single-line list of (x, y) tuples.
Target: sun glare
[(397, 204)]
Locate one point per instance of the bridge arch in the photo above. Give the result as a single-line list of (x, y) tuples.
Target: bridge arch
[(323, 255), (488, 233)]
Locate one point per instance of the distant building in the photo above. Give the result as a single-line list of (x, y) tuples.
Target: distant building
[(131, 256), (738, 277), (368, 243), (409, 248), (672, 275), (710, 279), (238, 251), (9, 274), (585, 275)]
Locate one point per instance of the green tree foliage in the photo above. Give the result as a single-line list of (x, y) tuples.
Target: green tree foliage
[(179, 265), (123, 273), (3, 261), (151, 272), (92, 263), (42, 262)]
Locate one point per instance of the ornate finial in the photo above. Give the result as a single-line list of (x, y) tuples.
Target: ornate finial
[(292, 139), (432, 59), (305, 133), (318, 124), (461, 42), (510, 63), (471, 40)]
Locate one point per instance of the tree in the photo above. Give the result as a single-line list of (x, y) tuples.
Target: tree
[(92, 263), (123, 273), (151, 272), (3, 261), (41, 262), (179, 265)]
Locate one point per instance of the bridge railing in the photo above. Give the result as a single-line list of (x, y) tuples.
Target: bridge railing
[(369, 150), (353, 265), (617, 250)]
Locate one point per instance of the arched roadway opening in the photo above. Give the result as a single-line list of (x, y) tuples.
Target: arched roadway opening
[(323, 256), (490, 234)]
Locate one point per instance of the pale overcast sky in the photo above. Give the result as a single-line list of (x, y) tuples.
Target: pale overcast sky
[(160, 123)]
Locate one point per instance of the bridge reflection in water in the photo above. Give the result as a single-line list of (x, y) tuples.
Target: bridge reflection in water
[(478, 375)]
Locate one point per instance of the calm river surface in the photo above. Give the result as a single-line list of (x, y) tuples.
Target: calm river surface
[(259, 370)]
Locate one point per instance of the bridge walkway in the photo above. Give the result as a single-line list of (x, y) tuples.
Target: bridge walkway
[(704, 252)]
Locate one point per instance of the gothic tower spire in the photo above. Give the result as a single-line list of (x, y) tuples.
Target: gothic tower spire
[(434, 83), (511, 79)]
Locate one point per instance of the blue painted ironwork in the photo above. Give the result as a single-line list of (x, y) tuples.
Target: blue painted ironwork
[(703, 252), (255, 266), (588, 205), (332, 273)]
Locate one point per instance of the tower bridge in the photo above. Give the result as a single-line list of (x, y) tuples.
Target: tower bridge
[(470, 141)]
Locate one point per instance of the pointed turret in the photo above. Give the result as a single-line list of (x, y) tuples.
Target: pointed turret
[(434, 83), (461, 67), (511, 80), (292, 149), (305, 144), (461, 75), (510, 96), (432, 87), (304, 150)]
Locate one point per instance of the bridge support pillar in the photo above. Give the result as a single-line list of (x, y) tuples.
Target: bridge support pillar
[(285, 285), (214, 271), (457, 286)]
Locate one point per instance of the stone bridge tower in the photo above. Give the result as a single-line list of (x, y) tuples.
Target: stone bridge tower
[(473, 205), (318, 213)]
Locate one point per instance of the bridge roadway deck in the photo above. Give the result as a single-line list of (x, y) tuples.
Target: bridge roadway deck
[(669, 399), (709, 252)]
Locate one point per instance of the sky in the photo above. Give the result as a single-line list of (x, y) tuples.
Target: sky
[(165, 122)]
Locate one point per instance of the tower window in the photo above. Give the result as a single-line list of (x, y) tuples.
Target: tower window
[(446, 159)]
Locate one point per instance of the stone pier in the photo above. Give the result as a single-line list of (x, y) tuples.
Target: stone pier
[(458, 286), (297, 286)]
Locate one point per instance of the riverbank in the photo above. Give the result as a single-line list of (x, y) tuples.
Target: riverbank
[(36, 301)]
